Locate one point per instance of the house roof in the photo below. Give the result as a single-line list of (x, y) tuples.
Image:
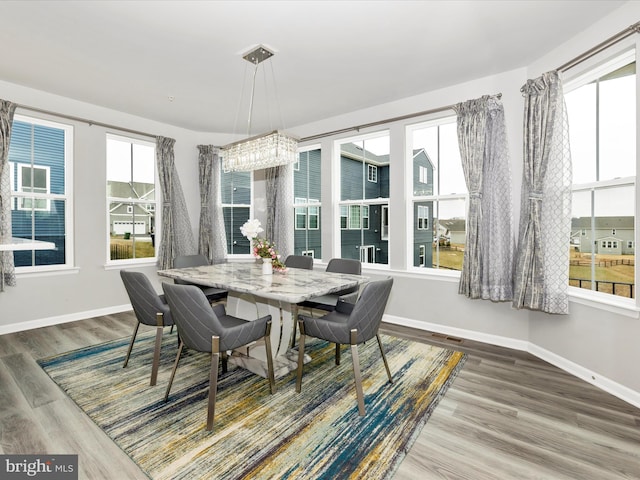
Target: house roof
[(603, 223), (454, 224)]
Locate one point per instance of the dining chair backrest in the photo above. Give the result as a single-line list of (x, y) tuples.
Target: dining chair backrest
[(193, 315), (366, 315), (188, 261), (345, 265), (299, 261), (145, 301)]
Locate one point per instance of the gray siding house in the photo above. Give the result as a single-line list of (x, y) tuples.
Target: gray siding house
[(608, 235)]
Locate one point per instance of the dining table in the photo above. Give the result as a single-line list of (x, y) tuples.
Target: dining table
[(12, 244), (253, 294)]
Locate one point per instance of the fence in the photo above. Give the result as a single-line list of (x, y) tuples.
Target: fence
[(602, 263), (121, 252), (623, 289)]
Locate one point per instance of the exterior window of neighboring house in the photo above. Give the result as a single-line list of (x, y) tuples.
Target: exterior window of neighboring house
[(422, 253), (423, 174), (601, 107), (309, 253), (296, 166), (423, 217), (40, 171), (236, 192), (439, 205), (306, 199), (372, 173), (385, 222), (630, 244), (131, 189), (583, 232), (364, 197)]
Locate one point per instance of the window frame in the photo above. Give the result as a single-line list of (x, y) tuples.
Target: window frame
[(597, 67), (141, 202), (67, 197)]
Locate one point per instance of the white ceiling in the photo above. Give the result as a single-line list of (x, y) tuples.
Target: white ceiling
[(332, 57)]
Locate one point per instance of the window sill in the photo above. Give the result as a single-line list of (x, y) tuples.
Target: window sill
[(141, 262), (601, 301), (48, 272)]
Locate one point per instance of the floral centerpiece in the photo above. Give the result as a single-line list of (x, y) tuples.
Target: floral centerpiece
[(262, 247)]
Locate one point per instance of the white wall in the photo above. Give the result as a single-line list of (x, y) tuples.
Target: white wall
[(596, 344), (90, 289)]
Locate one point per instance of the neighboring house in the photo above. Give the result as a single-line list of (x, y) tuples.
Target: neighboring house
[(610, 235), (423, 170), (364, 227), (307, 196), (131, 218), (456, 230)]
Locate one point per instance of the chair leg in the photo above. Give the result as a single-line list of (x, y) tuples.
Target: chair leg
[(300, 356), (267, 344), (294, 316), (225, 362), (156, 349), (337, 354), (173, 371), (356, 371), (133, 339), (384, 358), (213, 380)]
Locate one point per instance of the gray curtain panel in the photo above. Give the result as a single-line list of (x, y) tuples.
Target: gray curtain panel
[(212, 241), (7, 109), (176, 236), (488, 257), (280, 208), (542, 260)]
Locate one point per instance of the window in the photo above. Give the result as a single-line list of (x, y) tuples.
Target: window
[(33, 179), (602, 125), (423, 174), (385, 222), (364, 197), (372, 173), (306, 191), (131, 190), (439, 203), (309, 253), (40, 160), (423, 217), (236, 208)]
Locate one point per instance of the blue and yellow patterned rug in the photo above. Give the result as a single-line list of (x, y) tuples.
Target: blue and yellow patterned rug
[(312, 435)]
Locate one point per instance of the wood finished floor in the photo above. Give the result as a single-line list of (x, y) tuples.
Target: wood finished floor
[(508, 415)]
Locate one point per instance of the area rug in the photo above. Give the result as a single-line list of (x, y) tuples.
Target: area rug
[(316, 434)]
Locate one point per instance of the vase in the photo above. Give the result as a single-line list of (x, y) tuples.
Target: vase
[(267, 266)]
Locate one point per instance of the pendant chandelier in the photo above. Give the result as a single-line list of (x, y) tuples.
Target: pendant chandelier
[(260, 151)]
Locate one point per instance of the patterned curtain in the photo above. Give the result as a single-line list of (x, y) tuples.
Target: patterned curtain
[(212, 241), (280, 208), (7, 109), (542, 261), (488, 256), (177, 236)]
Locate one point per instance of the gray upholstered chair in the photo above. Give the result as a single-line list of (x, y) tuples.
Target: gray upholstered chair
[(299, 261), (150, 309), (186, 261), (349, 324), (204, 328), (337, 265)]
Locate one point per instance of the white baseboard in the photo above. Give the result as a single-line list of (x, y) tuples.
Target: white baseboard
[(47, 322), (624, 393)]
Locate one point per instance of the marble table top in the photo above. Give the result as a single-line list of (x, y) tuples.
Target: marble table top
[(292, 286), (16, 243)]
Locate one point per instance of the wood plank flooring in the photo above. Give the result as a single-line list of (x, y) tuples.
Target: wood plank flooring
[(508, 415)]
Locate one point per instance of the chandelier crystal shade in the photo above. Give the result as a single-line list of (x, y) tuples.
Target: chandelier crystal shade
[(261, 151)]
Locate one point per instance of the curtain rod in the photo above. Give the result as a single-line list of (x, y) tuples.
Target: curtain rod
[(627, 32), (87, 121), (383, 122)]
